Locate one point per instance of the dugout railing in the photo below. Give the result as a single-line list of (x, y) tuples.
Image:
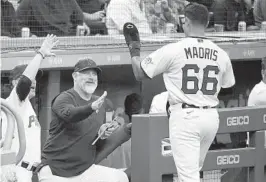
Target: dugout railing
[(9, 157), (149, 165)]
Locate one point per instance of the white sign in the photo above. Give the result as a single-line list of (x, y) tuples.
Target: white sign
[(55, 61), (237, 121), (228, 159)]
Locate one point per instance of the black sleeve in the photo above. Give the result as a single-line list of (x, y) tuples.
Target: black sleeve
[(219, 13), (226, 91), (77, 14), (107, 146), (23, 87), (15, 30), (23, 14), (65, 109)]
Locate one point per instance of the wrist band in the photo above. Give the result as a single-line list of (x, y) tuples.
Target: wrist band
[(39, 52)]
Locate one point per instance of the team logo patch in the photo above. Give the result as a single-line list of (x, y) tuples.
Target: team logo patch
[(33, 121), (129, 26), (147, 61)]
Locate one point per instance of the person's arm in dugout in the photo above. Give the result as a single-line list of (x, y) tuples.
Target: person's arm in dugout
[(258, 13), (63, 107), (107, 146), (24, 84)]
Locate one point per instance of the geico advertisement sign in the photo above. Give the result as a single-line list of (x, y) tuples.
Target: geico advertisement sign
[(228, 159), (237, 121)]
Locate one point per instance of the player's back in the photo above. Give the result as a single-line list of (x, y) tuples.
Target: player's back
[(197, 72)]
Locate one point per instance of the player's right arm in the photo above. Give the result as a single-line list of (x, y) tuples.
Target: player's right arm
[(228, 77), (24, 84), (156, 63)]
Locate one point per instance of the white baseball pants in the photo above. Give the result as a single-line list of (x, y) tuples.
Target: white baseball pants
[(95, 173), (191, 133)]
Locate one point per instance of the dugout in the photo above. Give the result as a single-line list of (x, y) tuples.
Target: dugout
[(117, 79)]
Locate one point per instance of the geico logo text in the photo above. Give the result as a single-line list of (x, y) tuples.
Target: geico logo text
[(228, 159), (238, 120)]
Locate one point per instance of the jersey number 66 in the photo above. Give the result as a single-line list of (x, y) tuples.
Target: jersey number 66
[(195, 80)]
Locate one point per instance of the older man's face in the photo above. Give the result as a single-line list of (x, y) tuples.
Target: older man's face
[(87, 80)]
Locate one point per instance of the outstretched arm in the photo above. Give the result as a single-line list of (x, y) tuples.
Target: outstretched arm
[(156, 63), (133, 42), (45, 50), (137, 70), (24, 84)]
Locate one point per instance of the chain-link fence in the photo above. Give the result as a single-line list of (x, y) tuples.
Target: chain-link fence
[(37, 18)]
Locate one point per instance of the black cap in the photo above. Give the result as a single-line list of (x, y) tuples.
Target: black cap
[(86, 63), (18, 71), (133, 104)]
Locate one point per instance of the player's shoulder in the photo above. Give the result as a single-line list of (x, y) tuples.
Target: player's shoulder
[(13, 97), (218, 48), (180, 43), (117, 3), (261, 86), (257, 94), (163, 95), (160, 97), (172, 48)]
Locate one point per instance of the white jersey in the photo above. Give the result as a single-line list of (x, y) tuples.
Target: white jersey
[(158, 104), (257, 96), (194, 70), (31, 127)]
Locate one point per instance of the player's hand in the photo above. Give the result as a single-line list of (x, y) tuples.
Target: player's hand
[(182, 2), (118, 121), (87, 29), (96, 105), (107, 129), (47, 45), (99, 15), (131, 35), (127, 128), (119, 112), (104, 132)]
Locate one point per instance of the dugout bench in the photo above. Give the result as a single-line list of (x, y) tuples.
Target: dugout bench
[(149, 165)]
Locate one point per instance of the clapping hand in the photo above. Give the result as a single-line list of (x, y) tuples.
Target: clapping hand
[(96, 105)]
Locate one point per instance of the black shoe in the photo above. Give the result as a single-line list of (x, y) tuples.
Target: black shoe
[(131, 35)]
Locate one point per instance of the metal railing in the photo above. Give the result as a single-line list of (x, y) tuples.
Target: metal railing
[(8, 156), (149, 165)]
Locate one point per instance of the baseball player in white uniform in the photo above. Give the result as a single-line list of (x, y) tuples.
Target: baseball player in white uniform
[(24, 84), (194, 70), (158, 103), (257, 96)]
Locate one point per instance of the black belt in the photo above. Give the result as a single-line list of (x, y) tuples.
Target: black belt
[(35, 168), (184, 106)]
